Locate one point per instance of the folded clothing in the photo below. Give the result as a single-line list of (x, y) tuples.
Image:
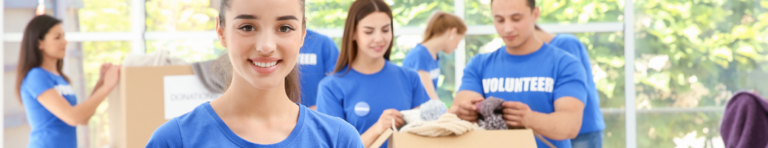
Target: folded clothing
[(158, 58), (448, 124), (213, 74)]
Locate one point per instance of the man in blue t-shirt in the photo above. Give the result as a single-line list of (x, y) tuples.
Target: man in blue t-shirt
[(544, 86), (317, 59)]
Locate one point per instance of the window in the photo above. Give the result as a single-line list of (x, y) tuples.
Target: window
[(690, 56)]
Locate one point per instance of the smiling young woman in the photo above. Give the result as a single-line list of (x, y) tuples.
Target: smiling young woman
[(259, 109), (366, 89)]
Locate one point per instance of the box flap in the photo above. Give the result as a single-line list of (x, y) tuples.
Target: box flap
[(522, 138)]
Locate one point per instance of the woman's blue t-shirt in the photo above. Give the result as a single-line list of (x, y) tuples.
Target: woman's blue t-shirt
[(317, 58), (47, 129), (361, 98), (593, 117), (202, 127), (419, 58)]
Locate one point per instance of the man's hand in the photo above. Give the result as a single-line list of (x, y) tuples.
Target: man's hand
[(517, 114)]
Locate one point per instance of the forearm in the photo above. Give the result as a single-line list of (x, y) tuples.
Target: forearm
[(556, 125), (84, 111), (97, 86), (370, 135), (461, 96), (431, 91), (426, 81)]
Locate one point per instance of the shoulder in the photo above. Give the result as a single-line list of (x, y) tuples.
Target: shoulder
[(328, 123), (566, 37), (339, 131), (200, 117), (167, 135), (333, 79), (37, 72), (564, 58), (404, 71), (415, 51), (481, 59), (37, 75), (567, 42), (312, 35)]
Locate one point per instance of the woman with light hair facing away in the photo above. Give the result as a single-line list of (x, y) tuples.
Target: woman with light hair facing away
[(444, 32)]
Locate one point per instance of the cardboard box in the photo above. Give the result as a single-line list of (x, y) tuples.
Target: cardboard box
[(140, 103), (518, 138)]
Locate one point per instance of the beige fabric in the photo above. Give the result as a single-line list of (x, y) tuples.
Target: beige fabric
[(448, 124)]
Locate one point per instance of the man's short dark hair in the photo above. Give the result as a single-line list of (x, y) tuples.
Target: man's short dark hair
[(531, 3)]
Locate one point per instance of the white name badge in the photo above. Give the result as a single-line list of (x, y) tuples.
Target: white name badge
[(182, 93)]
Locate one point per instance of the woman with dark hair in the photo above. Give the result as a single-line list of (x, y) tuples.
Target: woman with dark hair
[(366, 89), (48, 99), (259, 109)]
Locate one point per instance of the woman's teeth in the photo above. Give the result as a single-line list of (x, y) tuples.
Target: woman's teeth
[(265, 64)]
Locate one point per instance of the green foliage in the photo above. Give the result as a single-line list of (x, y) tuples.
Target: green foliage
[(180, 15), (333, 13), (696, 54), (102, 16)]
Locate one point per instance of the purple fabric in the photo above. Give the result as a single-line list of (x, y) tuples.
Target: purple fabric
[(490, 111), (745, 122)]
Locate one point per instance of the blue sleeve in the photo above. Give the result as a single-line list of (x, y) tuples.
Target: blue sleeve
[(332, 55), (472, 79), (329, 99), (420, 95), (167, 135), (348, 137), (575, 47), (413, 61), (36, 82), (584, 56), (571, 80)]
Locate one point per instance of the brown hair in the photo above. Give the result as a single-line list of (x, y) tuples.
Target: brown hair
[(441, 22), (359, 10), (31, 55), (292, 85)]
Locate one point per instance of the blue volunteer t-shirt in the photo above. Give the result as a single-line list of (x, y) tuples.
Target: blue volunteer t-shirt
[(361, 98), (47, 129), (419, 58), (317, 58), (202, 127), (593, 117), (536, 79)]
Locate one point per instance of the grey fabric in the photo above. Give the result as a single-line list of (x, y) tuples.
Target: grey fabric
[(213, 74), (158, 58)]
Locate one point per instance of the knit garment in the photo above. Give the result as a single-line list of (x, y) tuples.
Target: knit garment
[(448, 124), (490, 111), (429, 111), (432, 110)]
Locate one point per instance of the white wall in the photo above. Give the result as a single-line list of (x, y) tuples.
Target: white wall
[(16, 130)]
